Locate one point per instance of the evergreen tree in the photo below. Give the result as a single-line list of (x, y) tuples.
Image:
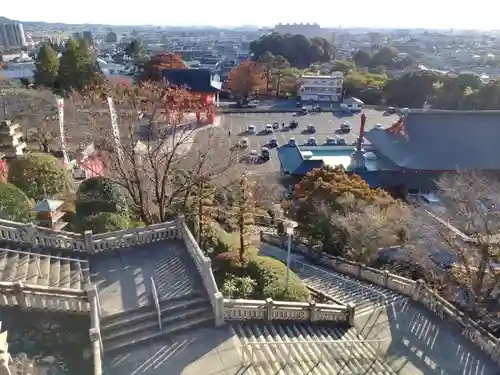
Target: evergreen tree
[(205, 206), (242, 215), (47, 67)]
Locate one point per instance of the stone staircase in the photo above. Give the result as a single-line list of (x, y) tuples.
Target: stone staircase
[(42, 267), (345, 289), (310, 349), (137, 326)]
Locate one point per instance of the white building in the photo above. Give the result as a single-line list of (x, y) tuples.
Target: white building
[(322, 88)]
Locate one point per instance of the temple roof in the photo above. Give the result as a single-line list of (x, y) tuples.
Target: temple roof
[(197, 80), (442, 140), (48, 205)]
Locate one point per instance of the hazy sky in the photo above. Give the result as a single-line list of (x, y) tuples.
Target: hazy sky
[(480, 14)]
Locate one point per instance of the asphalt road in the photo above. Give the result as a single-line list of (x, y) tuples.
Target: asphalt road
[(326, 124)]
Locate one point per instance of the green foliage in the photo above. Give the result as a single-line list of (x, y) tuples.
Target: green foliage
[(238, 287), (78, 70), (40, 176), (47, 67), (105, 222), (269, 275), (135, 49), (299, 51), (14, 204), (423, 86), (99, 194)]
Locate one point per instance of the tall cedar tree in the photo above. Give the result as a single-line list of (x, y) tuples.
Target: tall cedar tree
[(205, 202), (242, 215), (47, 67), (134, 49), (266, 60), (246, 79)]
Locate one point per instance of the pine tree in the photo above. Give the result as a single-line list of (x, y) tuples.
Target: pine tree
[(242, 215), (47, 67)]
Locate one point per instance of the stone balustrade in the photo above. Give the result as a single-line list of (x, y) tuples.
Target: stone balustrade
[(269, 310), (417, 290)]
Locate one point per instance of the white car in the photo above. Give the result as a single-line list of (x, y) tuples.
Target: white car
[(269, 128), (345, 127), (244, 143), (251, 129), (378, 127)]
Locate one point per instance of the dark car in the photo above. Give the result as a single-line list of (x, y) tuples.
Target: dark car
[(276, 125), (273, 142), (294, 124), (391, 110)]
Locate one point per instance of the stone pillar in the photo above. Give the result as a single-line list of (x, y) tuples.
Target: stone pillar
[(351, 311), (361, 268), (269, 309), (28, 234), (88, 241), (219, 309), (312, 311), (415, 295), (20, 296), (386, 278), (180, 227)]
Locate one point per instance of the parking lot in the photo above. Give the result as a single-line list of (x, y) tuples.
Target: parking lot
[(326, 124)]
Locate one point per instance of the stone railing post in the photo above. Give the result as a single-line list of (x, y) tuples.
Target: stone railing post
[(387, 274), (269, 309), (97, 350), (351, 311), (415, 294), (28, 234), (180, 227), (312, 311), (88, 241), (20, 296), (219, 308), (361, 268)]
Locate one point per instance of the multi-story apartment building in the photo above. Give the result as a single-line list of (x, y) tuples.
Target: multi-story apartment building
[(322, 88), (12, 35)]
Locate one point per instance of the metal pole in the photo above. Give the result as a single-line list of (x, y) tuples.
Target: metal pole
[(288, 259)]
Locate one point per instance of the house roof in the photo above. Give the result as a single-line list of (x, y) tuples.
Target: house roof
[(48, 205), (198, 80), (292, 161), (352, 99), (442, 140)]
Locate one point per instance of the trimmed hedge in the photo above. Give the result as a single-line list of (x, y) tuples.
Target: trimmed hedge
[(269, 274), (99, 194), (14, 204), (105, 222), (40, 175)]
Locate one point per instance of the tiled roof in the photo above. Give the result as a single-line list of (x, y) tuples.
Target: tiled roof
[(291, 161), (198, 80), (443, 140), (48, 205)]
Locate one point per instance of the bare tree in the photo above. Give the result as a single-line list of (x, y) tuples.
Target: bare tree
[(468, 229), (162, 154), (367, 228)]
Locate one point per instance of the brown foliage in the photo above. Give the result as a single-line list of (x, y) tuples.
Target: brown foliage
[(246, 78), (153, 67)]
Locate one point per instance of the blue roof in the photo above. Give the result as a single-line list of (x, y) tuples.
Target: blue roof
[(291, 161), (198, 80)]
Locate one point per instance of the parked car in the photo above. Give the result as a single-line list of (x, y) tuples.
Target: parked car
[(269, 128), (331, 141), (244, 143), (391, 110), (304, 111), (312, 141), (276, 125), (378, 127), (311, 129), (294, 124), (345, 127), (405, 111), (265, 155), (251, 129), (273, 142), (341, 141), (292, 142)]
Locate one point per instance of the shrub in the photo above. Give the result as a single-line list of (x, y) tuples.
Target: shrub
[(269, 274), (14, 204), (99, 194), (238, 287), (105, 222), (40, 176), (227, 264)]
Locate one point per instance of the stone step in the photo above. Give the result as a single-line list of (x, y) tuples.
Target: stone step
[(344, 288), (170, 326), (307, 349), (168, 307)]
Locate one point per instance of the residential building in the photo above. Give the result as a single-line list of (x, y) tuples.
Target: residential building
[(12, 35), (322, 88)]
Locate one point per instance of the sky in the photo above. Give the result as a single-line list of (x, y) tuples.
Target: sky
[(429, 14)]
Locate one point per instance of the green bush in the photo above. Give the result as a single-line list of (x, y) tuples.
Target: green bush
[(227, 264), (40, 176), (99, 194), (238, 287), (269, 274), (105, 222), (14, 204)]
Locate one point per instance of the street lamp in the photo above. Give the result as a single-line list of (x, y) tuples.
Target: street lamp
[(289, 228)]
